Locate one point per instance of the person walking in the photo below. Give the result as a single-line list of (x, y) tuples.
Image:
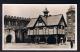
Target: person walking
[(71, 43)]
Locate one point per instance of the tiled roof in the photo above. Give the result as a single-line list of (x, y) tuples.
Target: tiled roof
[(32, 22), (51, 20), (54, 19)]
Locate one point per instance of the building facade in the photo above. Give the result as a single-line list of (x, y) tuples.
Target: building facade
[(47, 29), (71, 23), (15, 28), (44, 29)]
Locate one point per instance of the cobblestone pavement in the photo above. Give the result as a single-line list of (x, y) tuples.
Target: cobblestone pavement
[(26, 46)]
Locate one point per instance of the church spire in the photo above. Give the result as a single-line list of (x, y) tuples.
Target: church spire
[(46, 12)]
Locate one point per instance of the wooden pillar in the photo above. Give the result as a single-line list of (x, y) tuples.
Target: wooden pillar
[(38, 39), (56, 39), (48, 31), (20, 35), (28, 31), (61, 30), (66, 39), (35, 39), (57, 29), (38, 31), (38, 36), (33, 31), (46, 37), (43, 31), (53, 30), (35, 35), (65, 35), (56, 34), (61, 40)]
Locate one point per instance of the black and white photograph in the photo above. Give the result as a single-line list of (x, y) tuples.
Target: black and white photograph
[(39, 27)]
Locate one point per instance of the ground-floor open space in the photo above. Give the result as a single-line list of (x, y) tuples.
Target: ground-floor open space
[(50, 39)]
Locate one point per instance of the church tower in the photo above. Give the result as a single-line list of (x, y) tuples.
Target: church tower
[(71, 23)]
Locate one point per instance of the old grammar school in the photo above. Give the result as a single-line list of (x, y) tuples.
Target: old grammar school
[(43, 29)]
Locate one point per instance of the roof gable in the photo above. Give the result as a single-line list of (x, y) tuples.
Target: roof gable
[(32, 22), (50, 20), (40, 19), (62, 21), (54, 19)]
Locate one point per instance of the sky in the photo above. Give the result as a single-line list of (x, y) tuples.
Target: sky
[(34, 10)]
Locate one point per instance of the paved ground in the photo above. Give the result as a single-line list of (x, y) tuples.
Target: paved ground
[(27, 46)]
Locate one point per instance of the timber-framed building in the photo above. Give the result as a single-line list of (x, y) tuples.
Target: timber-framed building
[(47, 28), (44, 29)]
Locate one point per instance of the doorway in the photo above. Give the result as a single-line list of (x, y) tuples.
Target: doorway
[(8, 39)]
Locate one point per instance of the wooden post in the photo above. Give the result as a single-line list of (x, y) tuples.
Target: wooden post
[(39, 39), (65, 35), (48, 31), (20, 35), (46, 39), (61, 40), (28, 31), (56, 34), (36, 39), (33, 31), (43, 31), (66, 39), (57, 29), (53, 30), (56, 39), (38, 31)]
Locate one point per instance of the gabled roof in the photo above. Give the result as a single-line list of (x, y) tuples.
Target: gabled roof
[(32, 22), (51, 20), (42, 19), (54, 19)]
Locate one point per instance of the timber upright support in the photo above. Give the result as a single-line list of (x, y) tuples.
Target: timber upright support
[(46, 39), (56, 40), (36, 40)]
